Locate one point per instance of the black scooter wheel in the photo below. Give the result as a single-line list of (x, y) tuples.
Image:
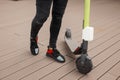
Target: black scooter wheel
[(68, 33), (84, 64)]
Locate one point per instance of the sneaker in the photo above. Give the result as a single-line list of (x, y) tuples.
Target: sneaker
[(55, 54), (34, 47)]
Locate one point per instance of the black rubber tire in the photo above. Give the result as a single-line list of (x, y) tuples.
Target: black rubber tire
[(86, 67), (68, 33)]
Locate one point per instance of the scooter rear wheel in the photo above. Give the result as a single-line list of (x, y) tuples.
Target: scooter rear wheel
[(68, 33)]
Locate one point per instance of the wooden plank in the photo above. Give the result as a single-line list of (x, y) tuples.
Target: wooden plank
[(24, 55), (107, 76), (103, 39), (97, 51), (115, 70), (21, 65), (59, 72), (104, 46), (36, 71), (13, 54), (106, 30), (73, 75), (118, 78), (104, 66)]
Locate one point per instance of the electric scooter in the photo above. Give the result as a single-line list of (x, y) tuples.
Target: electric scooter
[(83, 62)]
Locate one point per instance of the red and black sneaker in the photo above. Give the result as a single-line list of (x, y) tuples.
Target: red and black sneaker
[(55, 54), (33, 46)]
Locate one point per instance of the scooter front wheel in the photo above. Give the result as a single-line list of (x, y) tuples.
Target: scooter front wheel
[(84, 64)]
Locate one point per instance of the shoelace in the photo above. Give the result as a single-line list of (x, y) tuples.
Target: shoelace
[(56, 53)]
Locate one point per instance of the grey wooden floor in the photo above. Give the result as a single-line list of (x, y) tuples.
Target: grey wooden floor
[(17, 63)]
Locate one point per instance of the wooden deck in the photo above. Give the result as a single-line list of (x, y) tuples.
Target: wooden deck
[(16, 62)]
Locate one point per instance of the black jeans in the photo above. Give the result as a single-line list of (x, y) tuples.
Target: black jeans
[(42, 13)]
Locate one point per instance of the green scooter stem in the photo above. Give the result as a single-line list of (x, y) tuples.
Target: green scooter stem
[(86, 13), (86, 21)]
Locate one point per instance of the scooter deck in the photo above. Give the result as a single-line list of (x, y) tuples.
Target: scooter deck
[(73, 45)]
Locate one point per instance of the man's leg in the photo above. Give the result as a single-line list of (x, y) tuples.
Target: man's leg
[(42, 13), (57, 14)]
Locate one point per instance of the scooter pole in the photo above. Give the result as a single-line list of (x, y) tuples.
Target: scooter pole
[(84, 63), (86, 22), (87, 31), (86, 13)]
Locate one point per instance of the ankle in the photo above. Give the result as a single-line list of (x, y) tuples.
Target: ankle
[(32, 39), (51, 47)]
